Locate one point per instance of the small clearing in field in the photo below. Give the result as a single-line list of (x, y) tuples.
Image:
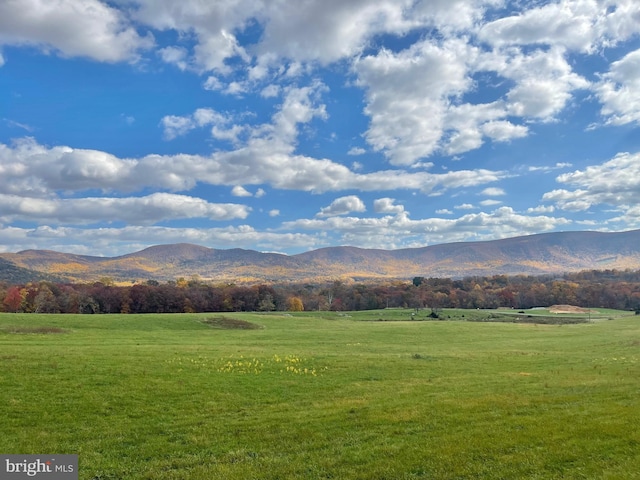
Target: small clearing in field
[(228, 323), (567, 309)]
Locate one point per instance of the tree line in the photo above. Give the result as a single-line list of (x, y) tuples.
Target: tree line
[(618, 289)]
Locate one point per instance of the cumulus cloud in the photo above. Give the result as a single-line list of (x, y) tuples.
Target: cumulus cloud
[(613, 183), (408, 93), (146, 210), (329, 30), (240, 191), (175, 55), (316, 31), (493, 192), (343, 206), (583, 26), (116, 241), (464, 206), (175, 126), (29, 167), (400, 231), (73, 28), (270, 91), (566, 23), (211, 24), (387, 205), (543, 81), (413, 96), (619, 90), (503, 131), (541, 209)]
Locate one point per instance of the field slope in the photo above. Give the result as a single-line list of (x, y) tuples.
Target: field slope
[(322, 396)]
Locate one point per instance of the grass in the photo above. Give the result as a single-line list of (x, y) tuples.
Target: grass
[(323, 395)]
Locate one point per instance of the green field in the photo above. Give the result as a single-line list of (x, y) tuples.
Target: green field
[(368, 395)]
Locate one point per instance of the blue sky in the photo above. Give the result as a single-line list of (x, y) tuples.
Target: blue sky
[(289, 126)]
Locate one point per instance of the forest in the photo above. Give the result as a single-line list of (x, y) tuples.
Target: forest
[(594, 288)]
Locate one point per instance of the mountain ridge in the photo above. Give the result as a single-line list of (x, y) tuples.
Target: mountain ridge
[(543, 253)]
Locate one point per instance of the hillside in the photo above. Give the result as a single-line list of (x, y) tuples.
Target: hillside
[(546, 253)]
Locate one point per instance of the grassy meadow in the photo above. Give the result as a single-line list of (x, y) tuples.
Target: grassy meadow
[(350, 395)]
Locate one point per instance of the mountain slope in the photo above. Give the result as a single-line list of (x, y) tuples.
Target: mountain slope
[(547, 253)]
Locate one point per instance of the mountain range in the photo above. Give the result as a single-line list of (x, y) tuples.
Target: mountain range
[(546, 253)]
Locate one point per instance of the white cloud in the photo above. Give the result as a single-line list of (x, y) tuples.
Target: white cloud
[(356, 151), (146, 210), (579, 25), (240, 191), (541, 209), (619, 90), (30, 168), (399, 231), (413, 96), (118, 241), (270, 91), (549, 168), (73, 28), (236, 88), (387, 205), (328, 30), (630, 217), (566, 23), (211, 25), (544, 81), (176, 55), (299, 34), (274, 212), (503, 131), (452, 16), (212, 83), (493, 192), (613, 183), (343, 206), (176, 126), (408, 93), (215, 48), (620, 23), (464, 206)]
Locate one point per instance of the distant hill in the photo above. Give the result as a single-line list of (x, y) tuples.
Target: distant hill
[(13, 274), (547, 253)]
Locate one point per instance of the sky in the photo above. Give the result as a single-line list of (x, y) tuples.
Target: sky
[(284, 126)]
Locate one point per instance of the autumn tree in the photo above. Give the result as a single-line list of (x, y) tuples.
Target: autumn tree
[(294, 304), (13, 300), (45, 301)]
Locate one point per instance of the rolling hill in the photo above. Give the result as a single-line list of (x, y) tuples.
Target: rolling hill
[(547, 253)]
